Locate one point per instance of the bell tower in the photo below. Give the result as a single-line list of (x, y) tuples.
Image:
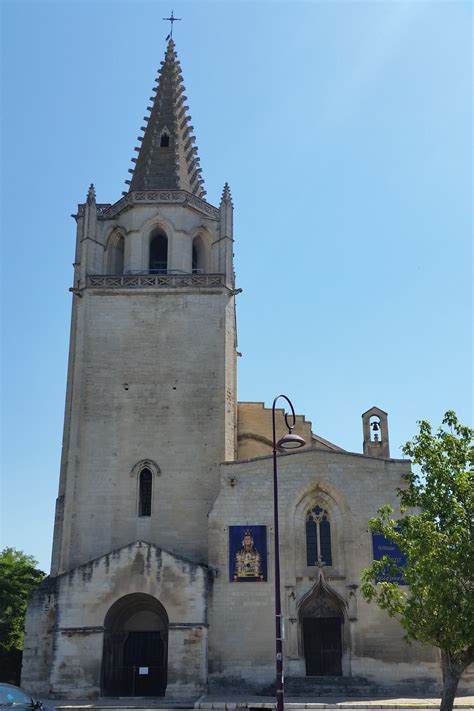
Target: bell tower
[(375, 430), (151, 390)]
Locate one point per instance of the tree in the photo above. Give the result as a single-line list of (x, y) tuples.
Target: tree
[(18, 577), (437, 606)]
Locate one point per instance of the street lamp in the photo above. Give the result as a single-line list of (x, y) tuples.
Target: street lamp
[(287, 442)]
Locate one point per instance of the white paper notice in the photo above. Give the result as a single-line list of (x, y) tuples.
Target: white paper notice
[(143, 670)]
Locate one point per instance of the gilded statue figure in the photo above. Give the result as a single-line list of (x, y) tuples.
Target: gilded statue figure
[(248, 560)]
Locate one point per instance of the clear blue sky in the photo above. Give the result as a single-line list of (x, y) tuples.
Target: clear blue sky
[(344, 130)]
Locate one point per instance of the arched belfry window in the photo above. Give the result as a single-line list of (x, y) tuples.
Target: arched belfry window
[(145, 492), (199, 257), (164, 140), (375, 429), (318, 537), (115, 254), (158, 254)]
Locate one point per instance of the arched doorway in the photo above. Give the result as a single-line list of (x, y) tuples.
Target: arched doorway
[(321, 618), (135, 652)]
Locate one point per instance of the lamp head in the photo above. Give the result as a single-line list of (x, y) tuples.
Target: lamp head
[(290, 441)]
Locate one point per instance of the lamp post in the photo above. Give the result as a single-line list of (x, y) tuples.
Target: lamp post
[(287, 442)]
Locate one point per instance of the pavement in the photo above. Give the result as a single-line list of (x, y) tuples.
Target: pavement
[(229, 702)]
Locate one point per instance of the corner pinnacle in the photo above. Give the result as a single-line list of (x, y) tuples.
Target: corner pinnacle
[(91, 194), (226, 194)]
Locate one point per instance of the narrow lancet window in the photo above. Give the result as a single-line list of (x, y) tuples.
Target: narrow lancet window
[(164, 141), (114, 255), (159, 254), (318, 537), (144, 501), (199, 256)]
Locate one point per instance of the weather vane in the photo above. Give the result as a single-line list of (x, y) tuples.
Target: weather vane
[(171, 19)]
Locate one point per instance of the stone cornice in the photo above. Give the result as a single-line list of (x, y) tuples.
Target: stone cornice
[(154, 197)]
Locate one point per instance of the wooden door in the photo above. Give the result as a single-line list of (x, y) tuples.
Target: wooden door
[(134, 664), (144, 664), (322, 646)]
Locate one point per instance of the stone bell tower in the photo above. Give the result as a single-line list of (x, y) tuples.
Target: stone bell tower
[(151, 391), (150, 415)]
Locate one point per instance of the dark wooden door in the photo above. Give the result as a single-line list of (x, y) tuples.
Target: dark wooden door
[(143, 664), (322, 646), (135, 664)]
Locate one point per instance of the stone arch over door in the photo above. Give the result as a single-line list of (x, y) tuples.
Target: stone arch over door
[(324, 641), (135, 653)]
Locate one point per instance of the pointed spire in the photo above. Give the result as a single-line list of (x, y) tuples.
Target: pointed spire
[(226, 195), (91, 194), (167, 157)]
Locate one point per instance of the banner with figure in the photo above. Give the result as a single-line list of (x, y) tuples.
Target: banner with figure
[(247, 554)]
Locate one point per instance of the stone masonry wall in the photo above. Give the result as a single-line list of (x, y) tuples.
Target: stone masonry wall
[(86, 594), (149, 386), (350, 487)]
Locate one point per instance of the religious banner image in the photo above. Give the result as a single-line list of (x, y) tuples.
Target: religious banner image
[(247, 554)]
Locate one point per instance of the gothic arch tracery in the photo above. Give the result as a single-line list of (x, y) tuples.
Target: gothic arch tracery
[(323, 603), (321, 494), (145, 464)]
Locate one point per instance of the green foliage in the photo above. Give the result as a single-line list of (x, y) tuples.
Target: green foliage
[(18, 577), (435, 530)]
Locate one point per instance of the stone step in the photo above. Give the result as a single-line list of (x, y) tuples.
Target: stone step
[(316, 686)]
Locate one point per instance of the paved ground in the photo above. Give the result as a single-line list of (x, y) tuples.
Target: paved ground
[(232, 703)]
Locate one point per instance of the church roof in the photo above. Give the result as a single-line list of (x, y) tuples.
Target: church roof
[(167, 158)]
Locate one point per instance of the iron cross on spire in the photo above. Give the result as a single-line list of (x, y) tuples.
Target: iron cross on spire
[(171, 19)]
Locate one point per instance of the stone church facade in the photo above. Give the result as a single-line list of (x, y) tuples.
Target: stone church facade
[(162, 567)]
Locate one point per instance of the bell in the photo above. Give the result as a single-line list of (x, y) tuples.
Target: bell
[(375, 426)]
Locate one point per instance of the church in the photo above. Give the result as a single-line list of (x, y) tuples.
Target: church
[(162, 575)]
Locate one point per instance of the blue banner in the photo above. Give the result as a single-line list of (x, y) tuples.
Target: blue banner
[(247, 554), (382, 546)]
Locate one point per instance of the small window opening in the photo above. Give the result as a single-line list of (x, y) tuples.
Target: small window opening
[(165, 140), (159, 255), (318, 537), (144, 504)]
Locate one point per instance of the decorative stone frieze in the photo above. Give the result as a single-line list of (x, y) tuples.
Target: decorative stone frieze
[(167, 281), (151, 197)]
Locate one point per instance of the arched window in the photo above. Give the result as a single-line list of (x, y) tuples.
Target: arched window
[(144, 494), (199, 257), (115, 254), (165, 140), (318, 537), (159, 254)]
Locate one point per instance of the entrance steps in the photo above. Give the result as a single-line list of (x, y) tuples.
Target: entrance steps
[(340, 686)]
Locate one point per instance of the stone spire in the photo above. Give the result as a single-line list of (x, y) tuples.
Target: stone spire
[(167, 158)]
